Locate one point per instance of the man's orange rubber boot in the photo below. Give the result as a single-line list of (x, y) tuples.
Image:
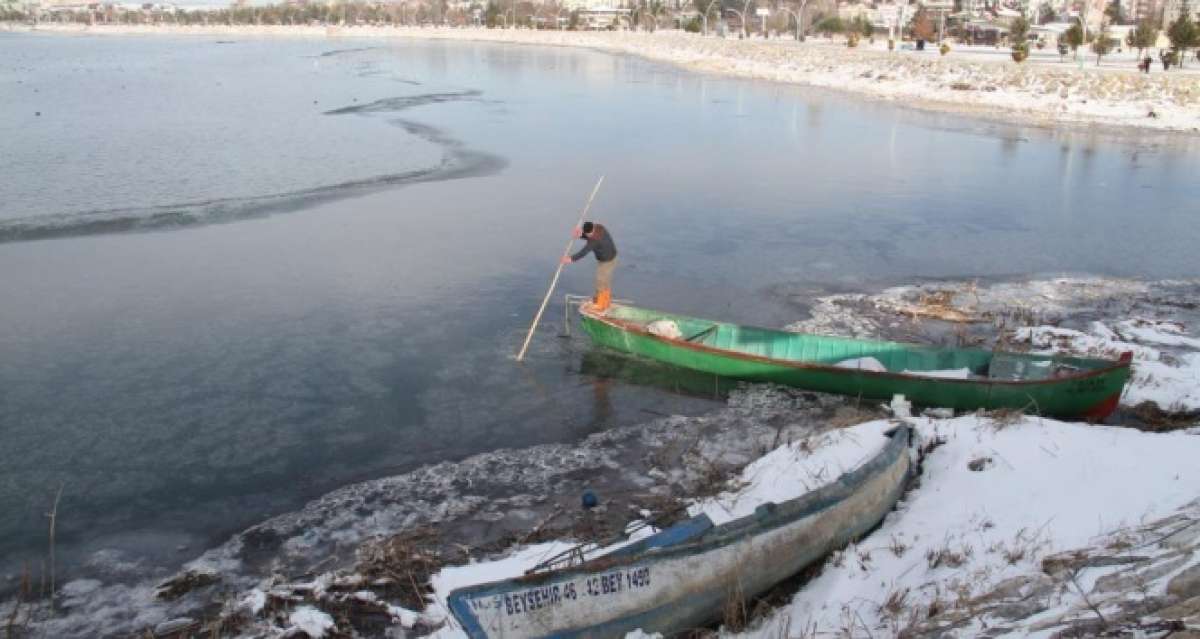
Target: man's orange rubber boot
[(603, 300)]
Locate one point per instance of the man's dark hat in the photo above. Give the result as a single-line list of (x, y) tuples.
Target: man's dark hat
[(587, 227)]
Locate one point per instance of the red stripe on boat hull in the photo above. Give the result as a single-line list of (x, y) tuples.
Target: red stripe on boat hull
[(1101, 411)]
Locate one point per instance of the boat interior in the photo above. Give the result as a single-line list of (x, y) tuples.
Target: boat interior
[(867, 355)]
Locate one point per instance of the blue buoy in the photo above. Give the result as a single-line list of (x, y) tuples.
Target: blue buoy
[(589, 500)]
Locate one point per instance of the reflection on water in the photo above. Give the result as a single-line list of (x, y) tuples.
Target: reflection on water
[(608, 366), (185, 384)]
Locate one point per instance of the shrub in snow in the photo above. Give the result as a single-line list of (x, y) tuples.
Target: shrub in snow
[(1019, 34)]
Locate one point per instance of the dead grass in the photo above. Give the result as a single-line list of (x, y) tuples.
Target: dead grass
[(1014, 554), (864, 560), (1025, 544), (1120, 543), (936, 606), (940, 305), (736, 615), (851, 415), (183, 583), (947, 556), (1001, 418), (979, 464), (407, 562), (16, 625), (894, 604), (1153, 418), (714, 478)]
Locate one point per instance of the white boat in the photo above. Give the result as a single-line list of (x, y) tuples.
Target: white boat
[(684, 577)]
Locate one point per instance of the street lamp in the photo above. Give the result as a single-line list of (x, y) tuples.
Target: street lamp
[(704, 16)]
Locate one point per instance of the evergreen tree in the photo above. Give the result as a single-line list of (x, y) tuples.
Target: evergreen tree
[(1018, 35), (1143, 37), (1074, 38), (491, 15), (1182, 33), (832, 24), (1101, 44), (922, 26), (1114, 12), (864, 25), (1045, 13)]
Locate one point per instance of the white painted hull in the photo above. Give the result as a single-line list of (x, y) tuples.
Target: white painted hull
[(688, 585)]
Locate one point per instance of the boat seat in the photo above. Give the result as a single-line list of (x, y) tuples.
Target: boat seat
[(682, 532), (1008, 367)]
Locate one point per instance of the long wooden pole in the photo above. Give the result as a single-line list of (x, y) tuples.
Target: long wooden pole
[(554, 282)]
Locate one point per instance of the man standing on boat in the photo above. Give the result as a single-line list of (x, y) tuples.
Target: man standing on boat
[(600, 242)]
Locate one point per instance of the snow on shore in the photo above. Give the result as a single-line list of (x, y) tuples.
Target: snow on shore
[(787, 472), (1171, 382), (795, 469), (993, 501), (1042, 94), (1085, 316)]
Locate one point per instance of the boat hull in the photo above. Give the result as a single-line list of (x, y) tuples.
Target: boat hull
[(690, 585), (1091, 395)]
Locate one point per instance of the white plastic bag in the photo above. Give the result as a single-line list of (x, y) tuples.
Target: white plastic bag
[(665, 328)]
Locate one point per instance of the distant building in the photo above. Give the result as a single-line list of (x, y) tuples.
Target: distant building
[(1033, 10), (938, 5), (1137, 10), (1090, 11), (981, 32), (976, 7), (1172, 8), (603, 17), (588, 5), (849, 12), (1050, 33)]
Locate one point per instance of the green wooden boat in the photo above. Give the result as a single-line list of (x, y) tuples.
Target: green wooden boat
[(959, 378)]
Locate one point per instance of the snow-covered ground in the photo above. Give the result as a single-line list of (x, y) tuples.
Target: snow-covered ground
[(973, 81), (1094, 317), (993, 501), (1171, 382)]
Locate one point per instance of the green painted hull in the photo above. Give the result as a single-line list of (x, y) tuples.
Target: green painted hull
[(1054, 386)]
